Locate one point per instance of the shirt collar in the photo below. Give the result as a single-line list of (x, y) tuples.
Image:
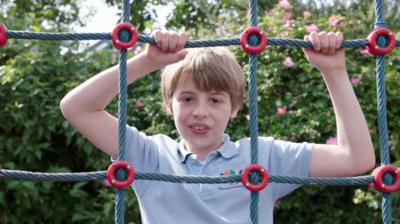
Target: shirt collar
[(227, 150), (183, 153)]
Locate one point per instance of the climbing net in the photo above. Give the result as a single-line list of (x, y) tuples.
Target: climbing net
[(121, 174)]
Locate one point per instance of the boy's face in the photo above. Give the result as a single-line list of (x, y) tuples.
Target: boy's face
[(201, 117)]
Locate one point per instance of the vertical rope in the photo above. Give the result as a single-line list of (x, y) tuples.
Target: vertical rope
[(122, 114), (253, 113), (382, 113), (383, 131), (379, 14)]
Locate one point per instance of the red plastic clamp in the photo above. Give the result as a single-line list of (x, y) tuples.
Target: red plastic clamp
[(3, 34), (244, 40), (255, 168), (120, 44), (120, 165), (373, 47), (379, 174)]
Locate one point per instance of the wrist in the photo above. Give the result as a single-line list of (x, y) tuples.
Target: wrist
[(146, 62), (336, 77)]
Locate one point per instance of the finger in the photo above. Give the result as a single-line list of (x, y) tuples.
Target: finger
[(172, 41), (323, 38), (164, 41), (339, 40), (332, 43), (314, 38), (157, 37), (306, 38), (182, 39)]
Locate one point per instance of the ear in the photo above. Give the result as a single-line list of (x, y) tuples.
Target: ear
[(234, 112)]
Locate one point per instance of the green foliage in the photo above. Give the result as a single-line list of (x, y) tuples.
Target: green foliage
[(35, 75)]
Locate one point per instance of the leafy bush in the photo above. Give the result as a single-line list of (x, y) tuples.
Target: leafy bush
[(293, 105)]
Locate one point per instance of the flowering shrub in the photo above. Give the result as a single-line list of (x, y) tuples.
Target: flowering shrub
[(293, 105)]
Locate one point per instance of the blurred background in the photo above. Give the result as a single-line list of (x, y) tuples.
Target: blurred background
[(293, 101)]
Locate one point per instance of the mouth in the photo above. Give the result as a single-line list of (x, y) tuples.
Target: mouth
[(199, 129)]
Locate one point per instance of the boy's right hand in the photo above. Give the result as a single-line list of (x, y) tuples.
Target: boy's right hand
[(169, 48)]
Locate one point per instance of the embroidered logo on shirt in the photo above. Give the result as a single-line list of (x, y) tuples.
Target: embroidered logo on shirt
[(229, 173)]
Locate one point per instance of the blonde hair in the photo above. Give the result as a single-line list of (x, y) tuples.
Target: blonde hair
[(210, 69)]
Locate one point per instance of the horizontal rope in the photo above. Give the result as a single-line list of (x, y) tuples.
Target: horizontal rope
[(99, 175), (61, 177), (356, 43)]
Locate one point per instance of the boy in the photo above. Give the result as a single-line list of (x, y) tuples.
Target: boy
[(203, 89)]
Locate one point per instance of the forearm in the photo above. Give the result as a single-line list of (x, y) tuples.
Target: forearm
[(352, 129), (97, 92)]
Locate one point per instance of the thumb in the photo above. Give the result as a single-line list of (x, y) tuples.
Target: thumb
[(171, 58), (182, 54), (307, 52)]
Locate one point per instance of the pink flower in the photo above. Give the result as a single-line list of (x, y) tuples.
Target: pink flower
[(287, 16), (306, 14), (288, 23), (311, 28), (331, 141), (220, 30), (285, 4), (138, 104), (333, 20), (281, 111), (288, 62), (285, 33), (366, 53), (106, 183), (355, 80)]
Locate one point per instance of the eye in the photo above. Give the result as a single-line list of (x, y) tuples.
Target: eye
[(187, 99), (215, 100)]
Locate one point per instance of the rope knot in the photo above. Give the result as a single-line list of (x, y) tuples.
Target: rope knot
[(386, 179), (124, 36), (258, 180), (124, 177), (253, 40)]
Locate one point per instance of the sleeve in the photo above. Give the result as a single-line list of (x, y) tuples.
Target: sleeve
[(141, 151), (288, 159)]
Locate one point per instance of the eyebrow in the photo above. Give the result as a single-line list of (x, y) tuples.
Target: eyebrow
[(213, 92), (186, 92)]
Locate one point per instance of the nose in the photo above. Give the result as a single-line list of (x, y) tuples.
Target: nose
[(201, 109)]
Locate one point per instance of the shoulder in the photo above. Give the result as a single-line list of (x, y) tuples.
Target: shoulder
[(263, 142), (269, 146), (162, 139)]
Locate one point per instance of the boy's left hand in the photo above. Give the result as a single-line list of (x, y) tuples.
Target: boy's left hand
[(326, 54)]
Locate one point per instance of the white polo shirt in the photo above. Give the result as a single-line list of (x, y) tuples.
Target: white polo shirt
[(165, 202)]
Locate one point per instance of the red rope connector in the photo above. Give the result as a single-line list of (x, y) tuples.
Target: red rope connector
[(120, 165), (379, 174), (115, 36), (264, 177), (244, 40), (3, 34), (373, 47)]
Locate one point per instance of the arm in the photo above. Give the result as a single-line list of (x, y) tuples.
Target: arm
[(84, 106), (354, 153)]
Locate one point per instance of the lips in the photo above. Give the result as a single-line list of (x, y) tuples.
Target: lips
[(199, 129)]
